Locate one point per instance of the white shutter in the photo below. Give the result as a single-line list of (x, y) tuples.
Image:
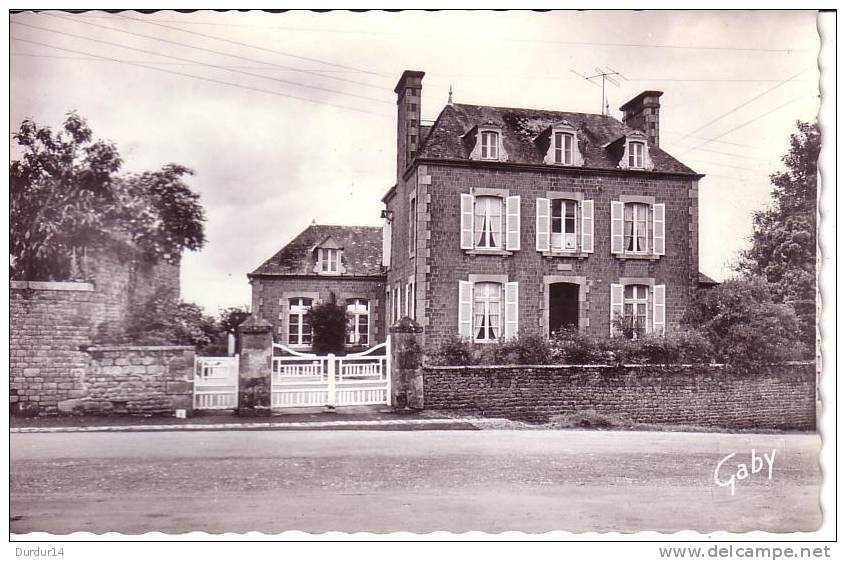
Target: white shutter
[(616, 227), (658, 228), (587, 226), (616, 305), (542, 225), (465, 308), (386, 244), (466, 221), (659, 309), (511, 309), (512, 223)]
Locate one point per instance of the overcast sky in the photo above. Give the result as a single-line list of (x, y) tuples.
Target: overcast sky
[(289, 118)]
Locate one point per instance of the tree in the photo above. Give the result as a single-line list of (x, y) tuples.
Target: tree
[(328, 326), (164, 319), (231, 318), (784, 239), (745, 324), (65, 194)]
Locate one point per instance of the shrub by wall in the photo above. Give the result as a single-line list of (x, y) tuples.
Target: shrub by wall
[(770, 397)]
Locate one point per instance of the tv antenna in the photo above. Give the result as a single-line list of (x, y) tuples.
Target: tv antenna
[(608, 74)]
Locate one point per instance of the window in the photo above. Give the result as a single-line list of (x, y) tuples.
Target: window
[(487, 219), (299, 327), (635, 305), (563, 148), (638, 308), (487, 311), (358, 312), (412, 226), (635, 227), (397, 308), (490, 145), (329, 260), (564, 225), (636, 150)]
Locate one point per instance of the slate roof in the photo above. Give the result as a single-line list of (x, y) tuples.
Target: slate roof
[(362, 255), (706, 280), (521, 126)]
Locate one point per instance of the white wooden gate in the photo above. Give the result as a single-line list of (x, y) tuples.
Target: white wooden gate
[(309, 380), (216, 382)]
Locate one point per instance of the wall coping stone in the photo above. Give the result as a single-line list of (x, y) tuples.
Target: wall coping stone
[(99, 349), (608, 366), (69, 286)]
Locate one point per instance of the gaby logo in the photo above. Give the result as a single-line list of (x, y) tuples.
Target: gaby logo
[(728, 477)]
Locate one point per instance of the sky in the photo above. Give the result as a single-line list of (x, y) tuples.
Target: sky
[(290, 118)]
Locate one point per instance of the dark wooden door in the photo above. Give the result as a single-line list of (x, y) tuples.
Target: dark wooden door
[(563, 306)]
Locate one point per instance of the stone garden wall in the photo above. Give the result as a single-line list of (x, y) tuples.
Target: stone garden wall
[(771, 397)]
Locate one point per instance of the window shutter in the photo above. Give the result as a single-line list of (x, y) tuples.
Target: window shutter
[(466, 221), (407, 297), (542, 225), (512, 223), (659, 309), (465, 308), (616, 305), (511, 309), (616, 227), (386, 244), (587, 226), (658, 227)]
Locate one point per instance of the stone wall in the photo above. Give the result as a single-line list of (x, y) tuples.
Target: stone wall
[(136, 380), (772, 397)]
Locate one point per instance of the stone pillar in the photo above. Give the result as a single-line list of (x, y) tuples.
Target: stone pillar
[(256, 348), (406, 364)]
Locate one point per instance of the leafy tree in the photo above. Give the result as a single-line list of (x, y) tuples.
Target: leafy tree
[(164, 319), (328, 327), (745, 324), (65, 194), (784, 240), (231, 318)]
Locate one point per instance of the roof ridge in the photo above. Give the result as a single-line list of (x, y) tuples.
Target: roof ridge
[(537, 109)]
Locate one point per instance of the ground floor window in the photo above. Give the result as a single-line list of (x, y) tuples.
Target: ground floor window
[(635, 310), (299, 327), (358, 312), (487, 305)]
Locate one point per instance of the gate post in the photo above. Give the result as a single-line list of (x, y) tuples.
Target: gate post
[(256, 346), (406, 352), (331, 368)]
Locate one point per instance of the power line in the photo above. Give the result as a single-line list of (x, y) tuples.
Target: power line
[(123, 46), (744, 104), (456, 38), (203, 78), (713, 163), (762, 115), (190, 46), (735, 155)]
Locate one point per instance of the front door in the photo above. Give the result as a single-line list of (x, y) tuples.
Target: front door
[(563, 306)]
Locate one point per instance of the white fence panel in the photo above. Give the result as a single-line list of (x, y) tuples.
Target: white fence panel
[(215, 382)]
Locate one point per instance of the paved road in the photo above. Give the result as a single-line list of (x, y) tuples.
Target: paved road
[(377, 481)]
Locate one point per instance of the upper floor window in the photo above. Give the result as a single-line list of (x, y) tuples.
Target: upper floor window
[(412, 226), (490, 145), (636, 154), (637, 228), (487, 219), (563, 147), (299, 326), (490, 222), (564, 225), (358, 313)]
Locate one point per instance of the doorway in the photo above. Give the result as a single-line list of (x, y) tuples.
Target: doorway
[(563, 306)]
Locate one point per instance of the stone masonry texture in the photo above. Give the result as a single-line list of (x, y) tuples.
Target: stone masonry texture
[(772, 397)]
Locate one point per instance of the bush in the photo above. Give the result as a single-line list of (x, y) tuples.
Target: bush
[(677, 347), (571, 346), (328, 327), (454, 351), (745, 325), (165, 320)]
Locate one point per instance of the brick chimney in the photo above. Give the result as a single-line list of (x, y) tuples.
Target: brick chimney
[(641, 113), (408, 92)]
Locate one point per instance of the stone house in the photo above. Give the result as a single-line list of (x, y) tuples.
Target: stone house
[(323, 263), (506, 221)]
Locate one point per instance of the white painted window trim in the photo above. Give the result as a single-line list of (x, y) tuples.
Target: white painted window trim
[(476, 153), (639, 137), (578, 157), (354, 323)]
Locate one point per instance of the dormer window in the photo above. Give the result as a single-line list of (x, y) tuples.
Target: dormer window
[(328, 260), (636, 151), (561, 144), (563, 148), (490, 145)]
